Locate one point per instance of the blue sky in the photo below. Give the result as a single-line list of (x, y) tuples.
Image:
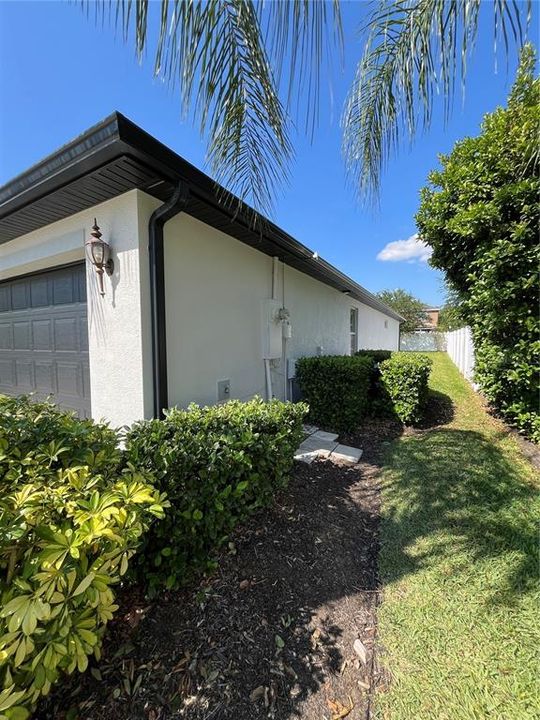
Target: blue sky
[(60, 74)]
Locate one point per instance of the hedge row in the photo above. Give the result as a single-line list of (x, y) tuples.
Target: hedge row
[(377, 355), (336, 388), (73, 511), (217, 465), (342, 390), (404, 378), (70, 520)]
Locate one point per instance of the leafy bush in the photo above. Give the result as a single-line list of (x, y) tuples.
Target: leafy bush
[(336, 387), (377, 355), (405, 377), (69, 522), (480, 213), (217, 465)]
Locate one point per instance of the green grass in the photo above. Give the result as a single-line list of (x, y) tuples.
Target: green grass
[(460, 614)]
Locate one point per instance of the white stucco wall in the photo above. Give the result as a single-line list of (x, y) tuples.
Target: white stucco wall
[(214, 289), (214, 285), (117, 323), (376, 331)]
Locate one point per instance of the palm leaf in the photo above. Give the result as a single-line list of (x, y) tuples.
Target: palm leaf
[(414, 51), (227, 58)]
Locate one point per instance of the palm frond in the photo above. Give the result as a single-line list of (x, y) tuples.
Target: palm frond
[(226, 57), (414, 51)]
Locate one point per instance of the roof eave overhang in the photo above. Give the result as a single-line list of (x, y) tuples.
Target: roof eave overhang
[(156, 169)]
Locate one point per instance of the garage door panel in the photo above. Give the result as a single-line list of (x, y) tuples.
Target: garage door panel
[(19, 295), (5, 299), (21, 335), (63, 291), (24, 376), (44, 338), (86, 380), (39, 292), (41, 335), (44, 374), (65, 334), (6, 342), (67, 379), (7, 373)]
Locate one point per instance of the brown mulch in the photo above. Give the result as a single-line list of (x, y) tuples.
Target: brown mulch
[(271, 634)]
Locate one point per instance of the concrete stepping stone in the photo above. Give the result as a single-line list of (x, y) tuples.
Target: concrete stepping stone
[(346, 454), (322, 435), (313, 443), (321, 445), (306, 456)]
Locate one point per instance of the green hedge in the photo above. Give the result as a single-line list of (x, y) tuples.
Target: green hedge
[(217, 465), (480, 214), (69, 523), (336, 387), (377, 355), (404, 377)]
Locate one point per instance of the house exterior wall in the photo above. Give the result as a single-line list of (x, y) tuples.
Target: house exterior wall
[(215, 289), (117, 322), (215, 286), (376, 331)]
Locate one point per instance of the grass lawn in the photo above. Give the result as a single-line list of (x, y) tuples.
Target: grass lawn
[(459, 623)]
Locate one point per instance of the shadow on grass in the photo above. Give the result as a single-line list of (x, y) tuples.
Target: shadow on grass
[(456, 489), (439, 410)]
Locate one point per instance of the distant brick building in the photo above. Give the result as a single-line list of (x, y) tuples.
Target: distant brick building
[(432, 320)]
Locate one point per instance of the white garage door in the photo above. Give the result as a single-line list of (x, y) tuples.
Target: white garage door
[(44, 337)]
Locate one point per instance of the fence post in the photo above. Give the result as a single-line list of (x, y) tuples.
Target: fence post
[(460, 348)]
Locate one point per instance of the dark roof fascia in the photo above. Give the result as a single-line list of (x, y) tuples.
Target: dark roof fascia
[(117, 136), (86, 152)]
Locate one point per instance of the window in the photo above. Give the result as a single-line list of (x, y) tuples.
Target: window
[(354, 330), (386, 323)]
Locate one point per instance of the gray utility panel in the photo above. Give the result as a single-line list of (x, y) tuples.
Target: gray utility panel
[(44, 337)]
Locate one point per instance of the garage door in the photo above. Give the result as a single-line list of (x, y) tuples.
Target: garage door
[(44, 337)]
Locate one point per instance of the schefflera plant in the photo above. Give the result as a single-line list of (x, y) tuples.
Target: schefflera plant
[(70, 520)]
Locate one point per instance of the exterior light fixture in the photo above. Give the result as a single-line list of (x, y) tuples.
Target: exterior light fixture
[(99, 254)]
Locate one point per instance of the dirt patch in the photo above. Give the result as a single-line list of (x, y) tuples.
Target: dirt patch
[(273, 633)]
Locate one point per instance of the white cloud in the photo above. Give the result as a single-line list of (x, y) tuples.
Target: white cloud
[(411, 250)]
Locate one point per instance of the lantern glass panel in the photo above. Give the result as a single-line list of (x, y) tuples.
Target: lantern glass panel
[(98, 253)]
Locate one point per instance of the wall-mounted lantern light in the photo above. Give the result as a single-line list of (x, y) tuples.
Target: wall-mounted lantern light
[(99, 254)]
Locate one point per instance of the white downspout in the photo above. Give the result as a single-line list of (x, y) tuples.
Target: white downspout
[(269, 394), (268, 375)]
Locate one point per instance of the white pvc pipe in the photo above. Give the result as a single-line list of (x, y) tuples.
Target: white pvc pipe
[(269, 393)]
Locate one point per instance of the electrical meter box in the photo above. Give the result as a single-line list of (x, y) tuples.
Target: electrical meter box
[(272, 332)]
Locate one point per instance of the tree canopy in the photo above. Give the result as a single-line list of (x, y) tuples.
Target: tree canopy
[(405, 304), (480, 213)]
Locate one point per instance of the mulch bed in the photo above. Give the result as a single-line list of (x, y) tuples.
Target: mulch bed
[(271, 634)]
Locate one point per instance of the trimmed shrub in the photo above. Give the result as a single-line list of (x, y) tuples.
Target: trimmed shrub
[(217, 465), (404, 377), (336, 387), (480, 214), (377, 355), (69, 523)]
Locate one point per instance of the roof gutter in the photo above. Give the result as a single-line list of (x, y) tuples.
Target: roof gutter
[(157, 221)]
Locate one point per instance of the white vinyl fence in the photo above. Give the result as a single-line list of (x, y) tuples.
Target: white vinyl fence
[(459, 346)]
